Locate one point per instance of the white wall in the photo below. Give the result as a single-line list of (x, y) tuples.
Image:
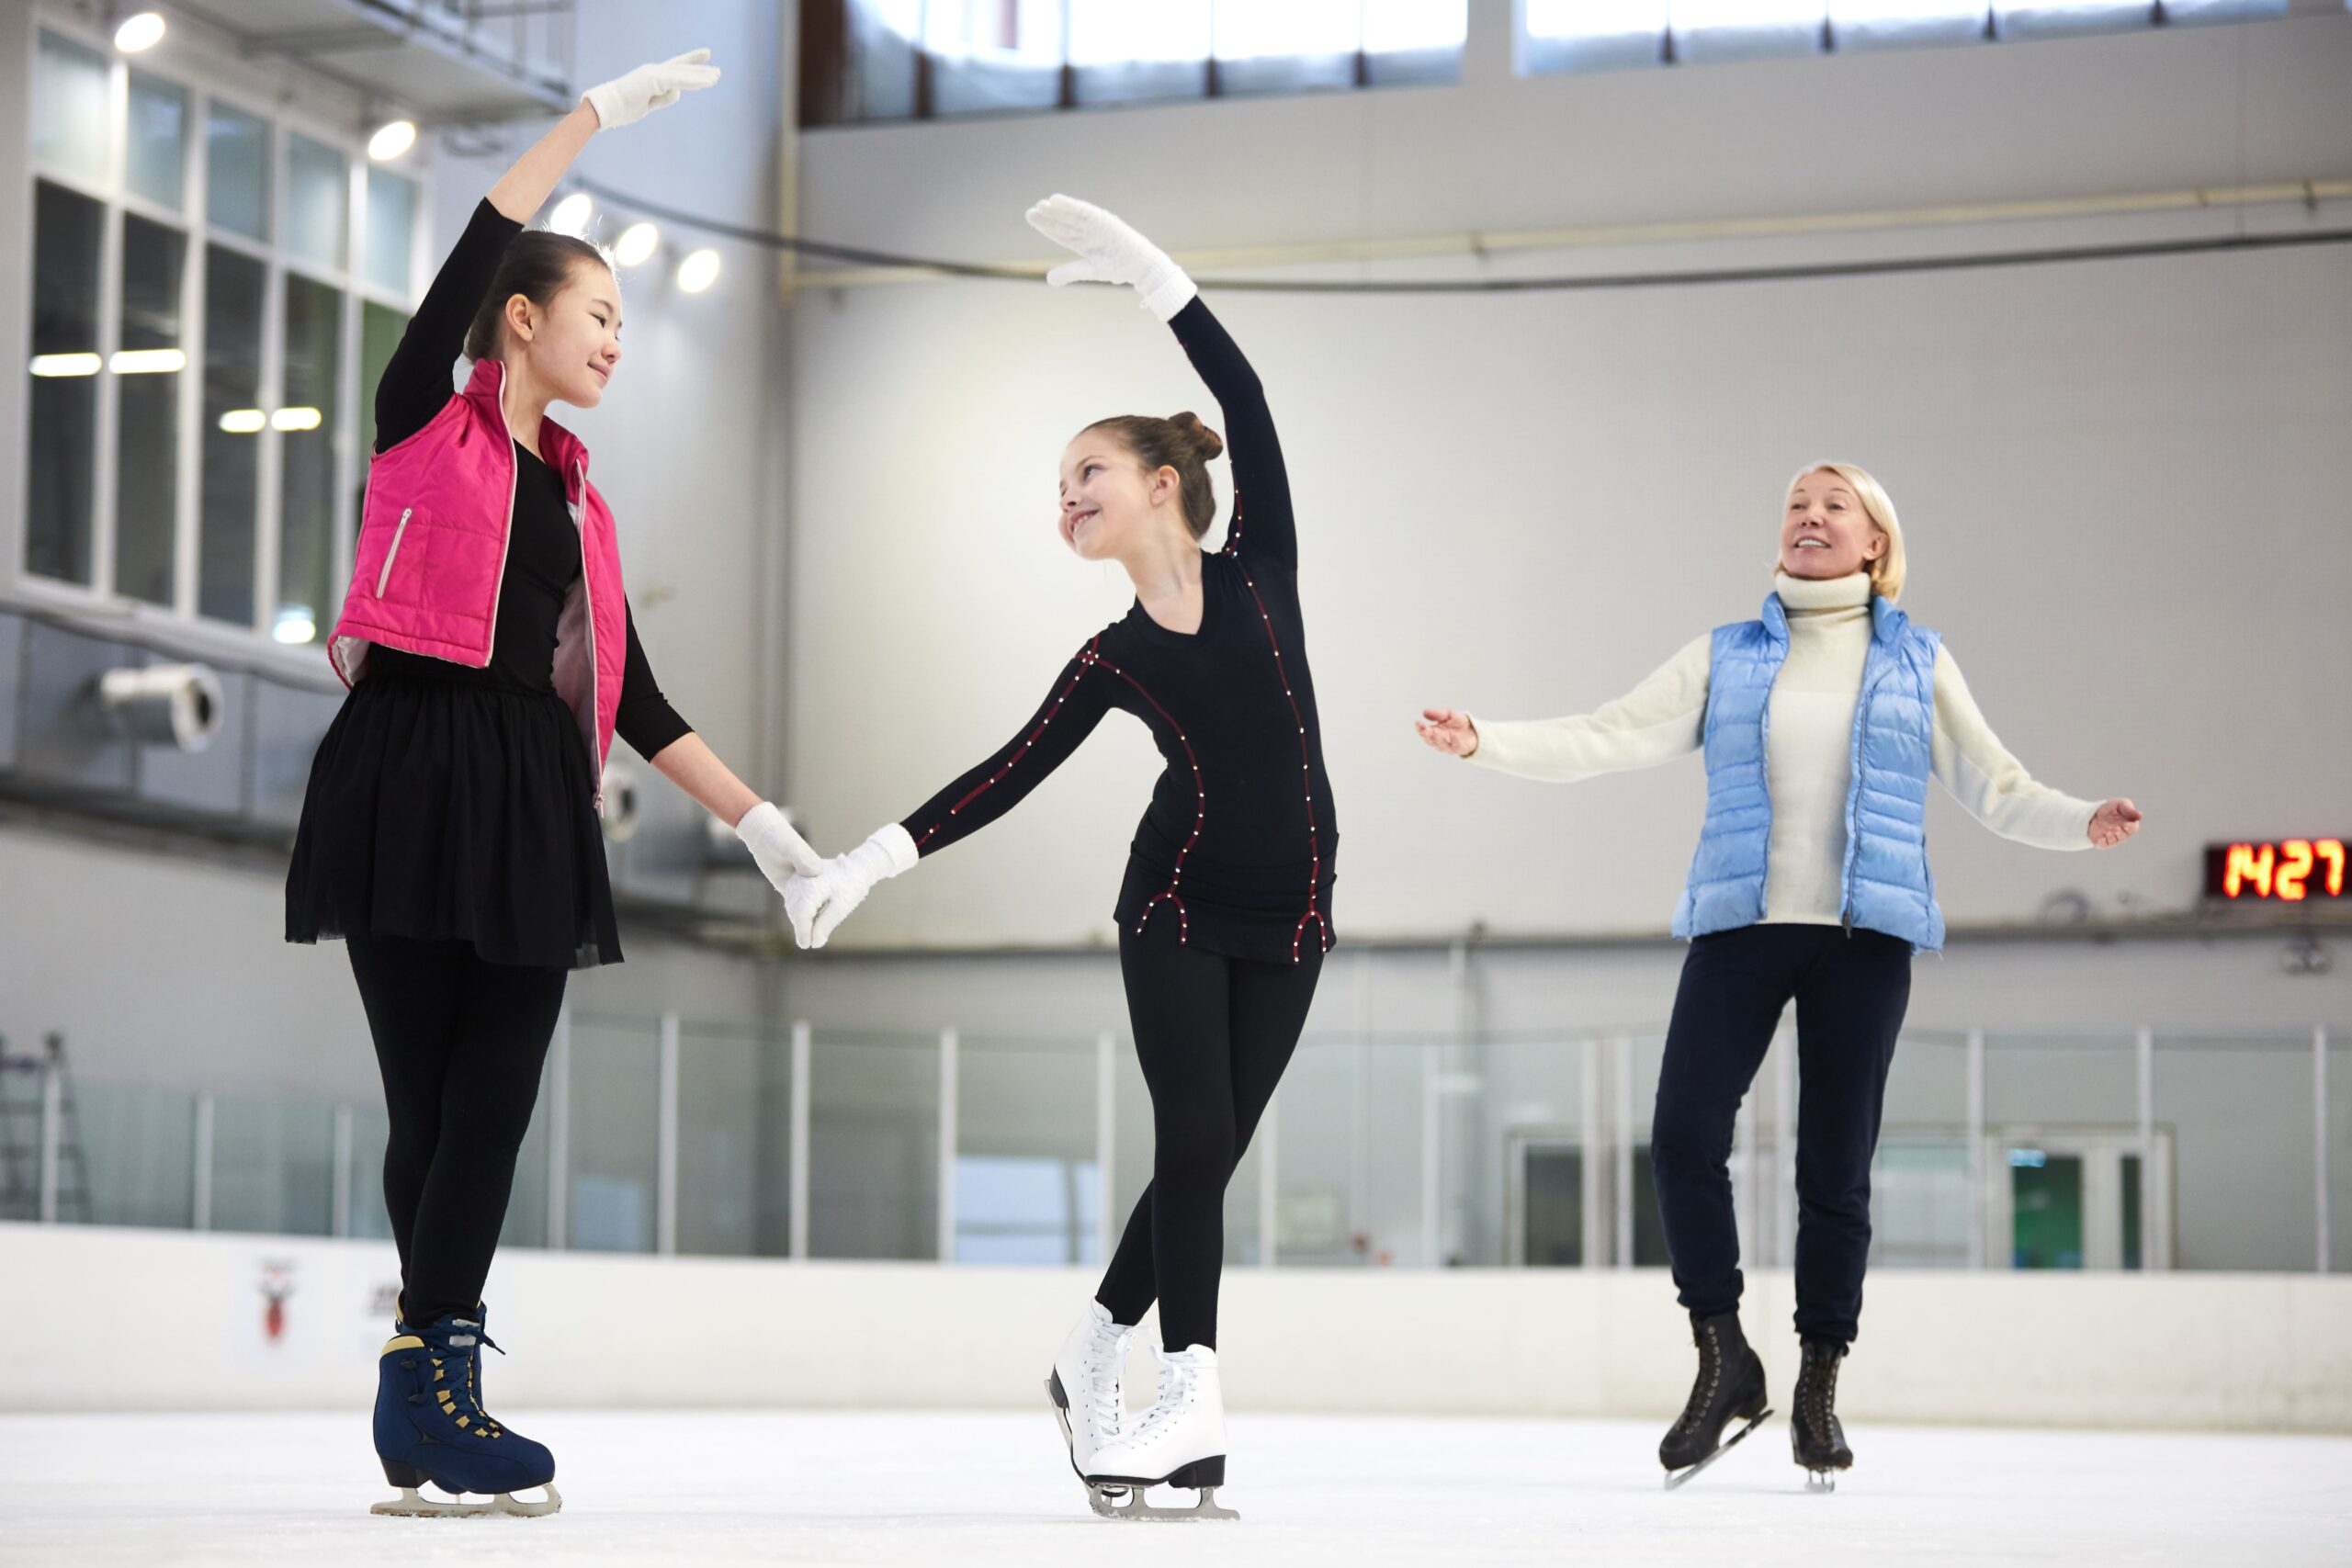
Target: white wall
[(2121, 482), (159, 1321)]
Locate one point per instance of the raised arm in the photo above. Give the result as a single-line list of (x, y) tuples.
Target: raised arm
[(1109, 251), (416, 384), (1969, 760), (1263, 523), (1663, 718), (977, 796)]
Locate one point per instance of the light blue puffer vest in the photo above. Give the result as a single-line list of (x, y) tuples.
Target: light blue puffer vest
[(1886, 883)]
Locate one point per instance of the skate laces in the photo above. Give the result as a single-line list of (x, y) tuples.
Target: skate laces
[(1106, 1351), (1703, 1389), (1174, 1393), (445, 1390), (1821, 1387)]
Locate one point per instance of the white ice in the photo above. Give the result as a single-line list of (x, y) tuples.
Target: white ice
[(973, 1489)]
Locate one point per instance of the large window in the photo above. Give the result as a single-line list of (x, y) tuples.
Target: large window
[(868, 60), (209, 282), (1600, 34)]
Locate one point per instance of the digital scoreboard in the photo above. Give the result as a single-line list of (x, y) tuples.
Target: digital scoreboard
[(2278, 871)]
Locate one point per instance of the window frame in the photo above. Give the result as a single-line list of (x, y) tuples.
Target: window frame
[(180, 622), (1552, 55), (932, 74)]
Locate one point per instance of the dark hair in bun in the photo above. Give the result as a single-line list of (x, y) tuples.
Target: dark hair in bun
[(1181, 443), (537, 266)]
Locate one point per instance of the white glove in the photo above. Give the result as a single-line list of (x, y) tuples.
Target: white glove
[(648, 88), (1112, 253), (819, 904), (772, 844)]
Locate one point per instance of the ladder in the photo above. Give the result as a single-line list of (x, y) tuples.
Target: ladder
[(43, 1174)]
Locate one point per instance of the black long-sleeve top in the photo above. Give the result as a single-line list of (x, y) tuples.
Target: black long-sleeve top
[(1239, 845), (543, 557)]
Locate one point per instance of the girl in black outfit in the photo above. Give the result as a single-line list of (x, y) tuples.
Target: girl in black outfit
[(1224, 913), (450, 834)]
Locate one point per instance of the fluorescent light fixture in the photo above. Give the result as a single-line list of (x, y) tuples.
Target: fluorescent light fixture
[(698, 271), (67, 363), (391, 139), (294, 625), (2028, 1159), (572, 214), (294, 419), (243, 422), (142, 31), (148, 361), (636, 244)]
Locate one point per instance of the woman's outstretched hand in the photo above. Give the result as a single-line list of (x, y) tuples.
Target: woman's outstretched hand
[(1448, 729), (2114, 821), (1111, 251), (648, 88)]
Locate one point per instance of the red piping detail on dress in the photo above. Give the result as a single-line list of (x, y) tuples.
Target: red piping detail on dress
[(1306, 767), (1085, 663), (1200, 801)]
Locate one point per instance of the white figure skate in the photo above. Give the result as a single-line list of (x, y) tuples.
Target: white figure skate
[(1086, 1385), (1179, 1441)]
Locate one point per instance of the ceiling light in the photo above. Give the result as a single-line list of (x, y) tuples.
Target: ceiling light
[(698, 271), (142, 31), (636, 244), (147, 361), (572, 214), (391, 139)]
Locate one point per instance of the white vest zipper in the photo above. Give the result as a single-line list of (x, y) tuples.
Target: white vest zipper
[(390, 555)]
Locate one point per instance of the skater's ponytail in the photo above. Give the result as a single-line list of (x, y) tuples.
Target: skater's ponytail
[(1181, 443), (537, 266)]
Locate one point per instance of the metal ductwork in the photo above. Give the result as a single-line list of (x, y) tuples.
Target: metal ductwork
[(178, 705)]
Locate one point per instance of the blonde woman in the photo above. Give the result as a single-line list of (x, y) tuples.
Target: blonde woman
[(1822, 722)]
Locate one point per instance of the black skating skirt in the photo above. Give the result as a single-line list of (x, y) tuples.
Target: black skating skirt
[(454, 809)]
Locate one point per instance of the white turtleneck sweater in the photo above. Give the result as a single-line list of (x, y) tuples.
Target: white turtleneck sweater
[(1809, 753)]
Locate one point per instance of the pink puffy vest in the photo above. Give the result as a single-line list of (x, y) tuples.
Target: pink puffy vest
[(432, 554)]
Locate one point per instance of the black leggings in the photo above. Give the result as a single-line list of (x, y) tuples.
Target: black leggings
[(1214, 1035), (1850, 989), (460, 1043)]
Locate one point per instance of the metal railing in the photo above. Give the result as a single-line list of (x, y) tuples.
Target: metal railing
[(2136, 1148)]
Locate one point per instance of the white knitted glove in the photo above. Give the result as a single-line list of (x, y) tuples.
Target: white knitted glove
[(779, 851), (1111, 251), (819, 904), (648, 88)]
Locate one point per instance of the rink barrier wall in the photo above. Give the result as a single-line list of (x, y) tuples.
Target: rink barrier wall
[(118, 1319)]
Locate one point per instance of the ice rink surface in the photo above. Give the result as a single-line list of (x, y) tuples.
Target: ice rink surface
[(961, 1489)]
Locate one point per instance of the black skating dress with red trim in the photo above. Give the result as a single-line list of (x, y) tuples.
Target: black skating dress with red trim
[(1239, 845)]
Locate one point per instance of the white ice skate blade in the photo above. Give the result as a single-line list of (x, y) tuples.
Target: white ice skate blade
[(1821, 1481), (1101, 1499), (414, 1505)]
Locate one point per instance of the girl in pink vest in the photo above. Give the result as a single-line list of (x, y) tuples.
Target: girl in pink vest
[(450, 833)]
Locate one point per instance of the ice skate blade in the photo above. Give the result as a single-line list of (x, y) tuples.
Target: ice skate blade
[(1823, 1479), (1069, 1440), (1675, 1478), (1100, 1499), (414, 1505)]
